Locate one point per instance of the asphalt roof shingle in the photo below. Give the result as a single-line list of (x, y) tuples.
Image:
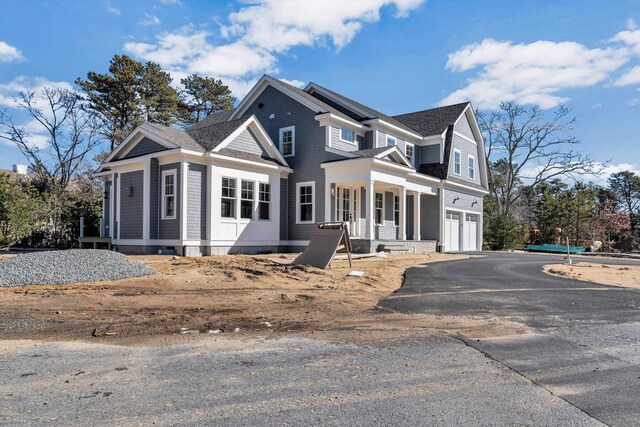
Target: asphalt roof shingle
[(210, 136), (213, 118), (433, 121)]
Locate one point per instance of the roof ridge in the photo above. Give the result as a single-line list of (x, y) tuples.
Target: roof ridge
[(432, 109)]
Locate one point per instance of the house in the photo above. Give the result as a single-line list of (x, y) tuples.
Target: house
[(260, 177)]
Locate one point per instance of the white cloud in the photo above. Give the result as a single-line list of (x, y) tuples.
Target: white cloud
[(630, 38), (170, 2), (607, 171), (112, 9), (260, 31), (150, 20), (631, 77), (8, 93), (634, 102), (596, 106), (631, 24), (531, 73), (9, 53), (297, 83)]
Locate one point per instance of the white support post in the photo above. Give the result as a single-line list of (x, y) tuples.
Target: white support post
[(183, 200), (209, 204), (119, 202), (146, 201), (416, 216), (327, 197), (111, 210), (369, 215), (403, 214)]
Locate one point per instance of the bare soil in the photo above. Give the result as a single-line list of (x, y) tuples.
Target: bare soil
[(193, 296), (626, 276)]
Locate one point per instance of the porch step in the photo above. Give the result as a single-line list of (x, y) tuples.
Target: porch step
[(395, 248)]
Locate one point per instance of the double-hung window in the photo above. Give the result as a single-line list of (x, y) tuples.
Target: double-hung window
[(288, 141), (246, 199), (348, 135), (264, 202), (457, 159), (379, 211), (169, 194), (305, 206), (396, 211), (228, 201), (472, 167), (408, 151)]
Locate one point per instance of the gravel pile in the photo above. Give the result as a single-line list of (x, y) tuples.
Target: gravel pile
[(74, 265)]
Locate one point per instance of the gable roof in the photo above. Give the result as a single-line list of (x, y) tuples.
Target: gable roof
[(297, 94), (213, 118), (211, 135), (433, 121), (370, 112), (178, 137)]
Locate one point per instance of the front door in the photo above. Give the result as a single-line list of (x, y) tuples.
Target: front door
[(452, 232), (347, 209)]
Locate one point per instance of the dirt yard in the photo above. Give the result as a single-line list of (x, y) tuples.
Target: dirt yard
[(616, 275), (236, 294)]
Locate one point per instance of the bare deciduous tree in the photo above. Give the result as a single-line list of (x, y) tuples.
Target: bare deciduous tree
[(70, 128), (525, 145)]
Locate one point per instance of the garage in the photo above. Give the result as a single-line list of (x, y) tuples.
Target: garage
[(470, 232), (452, 232)]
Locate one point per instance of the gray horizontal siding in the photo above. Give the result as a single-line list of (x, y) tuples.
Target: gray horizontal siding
[(145, 146), (247, 142), (430, 154), (382, 140), (388, 231), (131, 205), (464, 127), (466, 148), (465, 200), (106, 208), (196, 201), (430, 217)]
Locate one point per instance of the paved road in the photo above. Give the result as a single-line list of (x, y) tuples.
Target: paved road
[(587, 345), (284, 382)]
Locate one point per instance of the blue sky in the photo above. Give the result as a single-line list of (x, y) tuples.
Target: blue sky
[(394, 55)]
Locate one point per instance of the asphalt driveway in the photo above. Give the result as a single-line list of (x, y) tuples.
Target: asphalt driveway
[(586, 348)]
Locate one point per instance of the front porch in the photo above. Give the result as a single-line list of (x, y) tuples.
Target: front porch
[(382, 203)]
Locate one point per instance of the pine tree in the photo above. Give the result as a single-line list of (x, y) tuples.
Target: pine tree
[(203, 96)]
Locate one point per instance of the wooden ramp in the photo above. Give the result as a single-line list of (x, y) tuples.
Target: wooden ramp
[(328, 239)]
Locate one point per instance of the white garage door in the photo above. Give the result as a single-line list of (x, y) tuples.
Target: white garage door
[(452, 232), (470, 238)]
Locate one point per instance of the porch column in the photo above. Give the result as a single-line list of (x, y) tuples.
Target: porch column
[(146, 201), (327, 198), (403, 218), (416, 216), (369, 211)]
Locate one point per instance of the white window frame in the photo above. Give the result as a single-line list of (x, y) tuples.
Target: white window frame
[(471, 173), (311, 184), (235, 198), (293, 140), (355, 136), (165, 173), (375, 208), (395, 141), (459, 153), (263, 201), (413, 151), (252, 200)]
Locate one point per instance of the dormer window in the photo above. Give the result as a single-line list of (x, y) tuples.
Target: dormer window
[(347, 135), (409, 152), (391, 141)]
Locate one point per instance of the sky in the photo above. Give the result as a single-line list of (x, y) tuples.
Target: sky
[(396, 56)]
